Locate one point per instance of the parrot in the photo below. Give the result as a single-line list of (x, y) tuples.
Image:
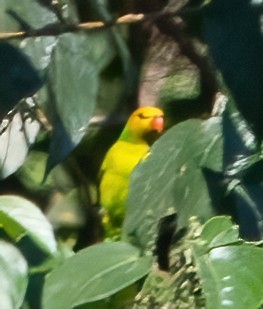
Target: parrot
[(143, 127)]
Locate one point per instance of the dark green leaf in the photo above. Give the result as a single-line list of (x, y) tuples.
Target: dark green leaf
[(13, 273), (243, 173), (101, 271), (119, 35), (18, 78), (171, 178), (248, 199), (239, 141), (38, 49), (238, 49), (19, 217), (73, 75), (231, 275)]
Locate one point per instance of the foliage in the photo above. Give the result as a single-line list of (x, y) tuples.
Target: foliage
[(194, 210)]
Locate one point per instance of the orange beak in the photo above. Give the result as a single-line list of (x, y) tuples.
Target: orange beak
[(157, 124)]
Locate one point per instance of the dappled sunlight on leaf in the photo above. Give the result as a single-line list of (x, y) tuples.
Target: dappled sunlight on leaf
[(14, 276), (20, 217), (15, 141), (171, 178)]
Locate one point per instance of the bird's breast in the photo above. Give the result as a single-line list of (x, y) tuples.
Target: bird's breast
[(123, 157)]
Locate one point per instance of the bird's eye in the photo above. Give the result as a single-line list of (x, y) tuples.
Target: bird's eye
[(141, 116)]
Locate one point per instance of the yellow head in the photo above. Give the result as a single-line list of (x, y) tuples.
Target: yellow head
[(145, 124)]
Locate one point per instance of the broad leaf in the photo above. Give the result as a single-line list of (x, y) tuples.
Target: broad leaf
[(210, 267), (20, 217), (239, 141), (170, 179), (231, 274), (243, 173), (32, 172), (38, 49), (93, 274), (73, 88), (31, 12), (18, 78), (234, 35), (13, 273), (118, 35), (7, 24), (15, 141)]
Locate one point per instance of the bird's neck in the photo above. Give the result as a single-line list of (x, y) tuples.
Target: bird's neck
[(127, 136)]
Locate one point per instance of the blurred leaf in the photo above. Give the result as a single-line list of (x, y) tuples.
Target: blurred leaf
[(101, 271), (67, 212), (243, 173), (182, 84), (239, 141), (32, 172), (234, 35), (38, 49), (171, 179), (13, 273), (32, 12), (18, 78), (46, 3), (73, 76), (69, 11), (227, 271), (63, 252), (119, 34), (248, 204), (19, 217), (6, 22), (15, 142)]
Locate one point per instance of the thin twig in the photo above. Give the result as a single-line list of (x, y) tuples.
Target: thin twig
[(59, 28)]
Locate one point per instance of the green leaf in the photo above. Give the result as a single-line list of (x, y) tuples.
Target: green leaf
[(231, 275), (32, 12), (73, 79), (19, 217), (6, 22), (219, 231), (93, 274), (32, 172), (120, 300), (171, 178), (63, 252), (13, 273), (38, 49), (236, 49), (18, 78), (15, 142)]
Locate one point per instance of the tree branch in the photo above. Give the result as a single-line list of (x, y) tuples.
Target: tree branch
[(60, 28)]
